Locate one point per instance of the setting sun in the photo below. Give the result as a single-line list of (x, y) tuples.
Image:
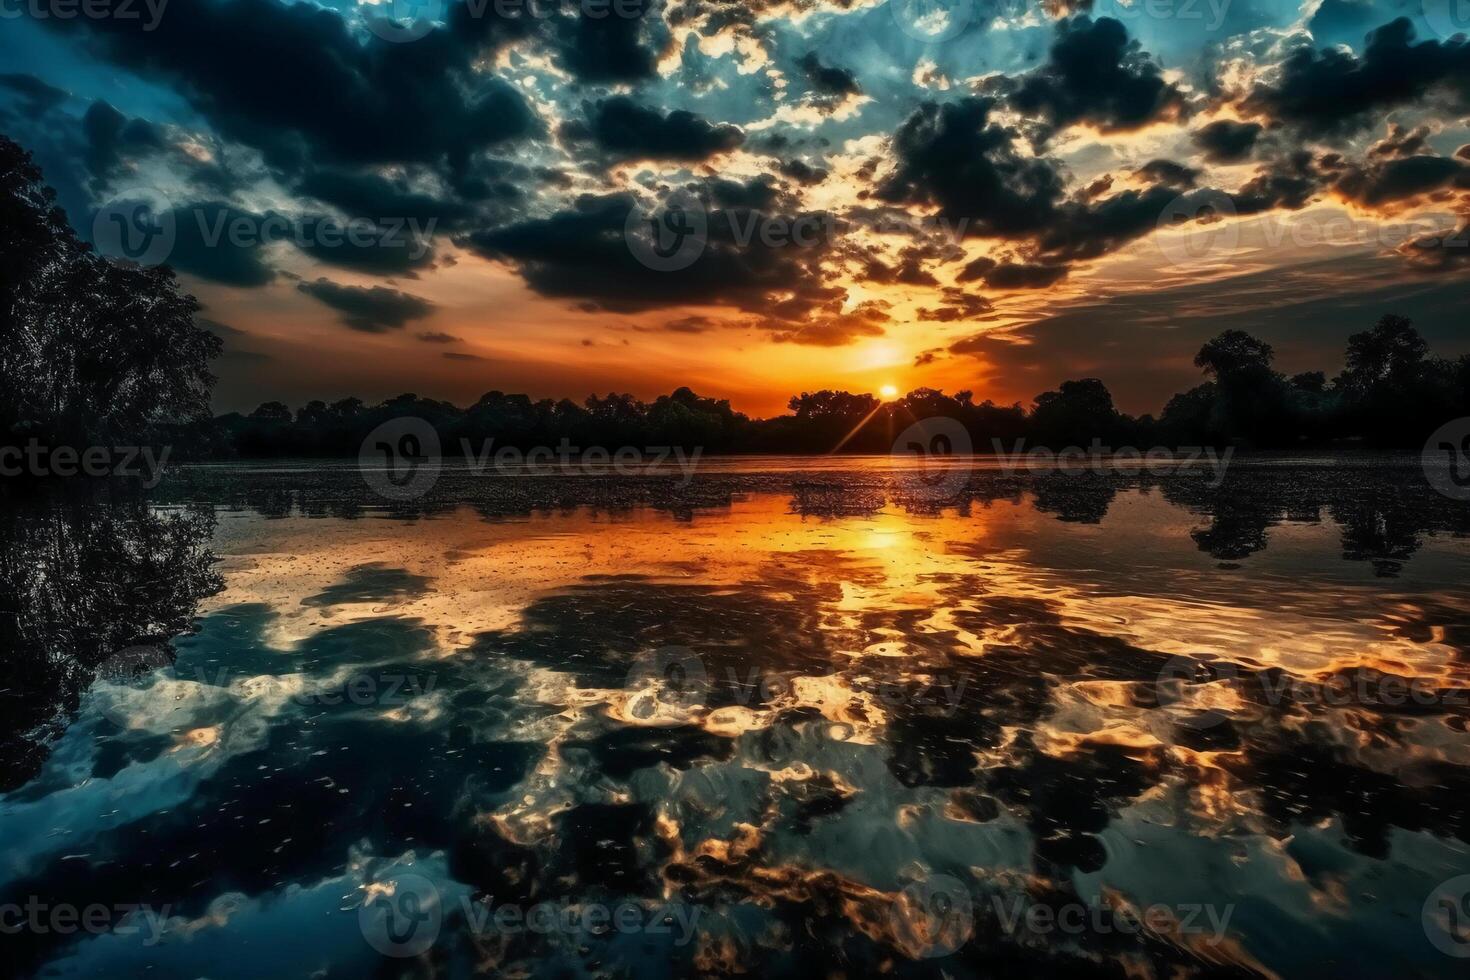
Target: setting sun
[(888, 393)]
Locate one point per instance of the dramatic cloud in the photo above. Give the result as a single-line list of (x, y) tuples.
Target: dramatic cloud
[(584, 253), (112, 137), (526, 141), (370, 310), (1329, 91), (826, 78), (1387, 182), (292, 81), (376, 198), (39, 97), (1096, 75), (607, 44), (205, 245), (954, 157), (1227, 141), (624, 130), (1168, 173)]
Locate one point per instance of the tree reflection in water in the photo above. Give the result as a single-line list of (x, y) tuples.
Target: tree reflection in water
[(87, 572)]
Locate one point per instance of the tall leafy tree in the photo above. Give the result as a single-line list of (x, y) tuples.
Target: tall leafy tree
[(91, 349)]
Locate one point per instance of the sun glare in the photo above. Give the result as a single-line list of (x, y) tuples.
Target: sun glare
[(888, 393)]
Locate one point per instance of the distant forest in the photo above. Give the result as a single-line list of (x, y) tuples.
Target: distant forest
[(1392, 394), (100, 352)]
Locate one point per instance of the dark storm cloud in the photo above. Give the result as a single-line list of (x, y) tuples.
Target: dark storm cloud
[(1440, 253), (958, 305), (1322, 92), (1388, 181), (370, 196), (617, 43), (954, 157), (758, 193), (1287, 183), (827, 79), (1402, 142), (294, 82), (1089, 230), (370, 310), (1227, 141), (802, 172), (371, 245), (625, 130), (1024, 275), (39, 97), (204, 246), (112, 137), (1167, 173), (582, 253), (1096, 75)]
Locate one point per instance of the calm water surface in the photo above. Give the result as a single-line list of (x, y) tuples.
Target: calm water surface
[(782, 721)]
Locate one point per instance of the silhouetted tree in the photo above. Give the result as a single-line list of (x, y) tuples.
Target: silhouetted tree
[(90, 349), (1075, 414)]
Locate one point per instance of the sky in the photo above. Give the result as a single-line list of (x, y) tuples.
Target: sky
[(754, 199)]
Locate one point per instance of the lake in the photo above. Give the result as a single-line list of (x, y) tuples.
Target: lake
[(772, 717)]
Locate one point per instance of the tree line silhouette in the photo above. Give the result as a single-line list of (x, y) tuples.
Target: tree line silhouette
[(94, 350), (1391, 395)]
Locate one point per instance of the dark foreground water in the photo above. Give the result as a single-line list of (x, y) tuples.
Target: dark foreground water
[(787, 720)]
